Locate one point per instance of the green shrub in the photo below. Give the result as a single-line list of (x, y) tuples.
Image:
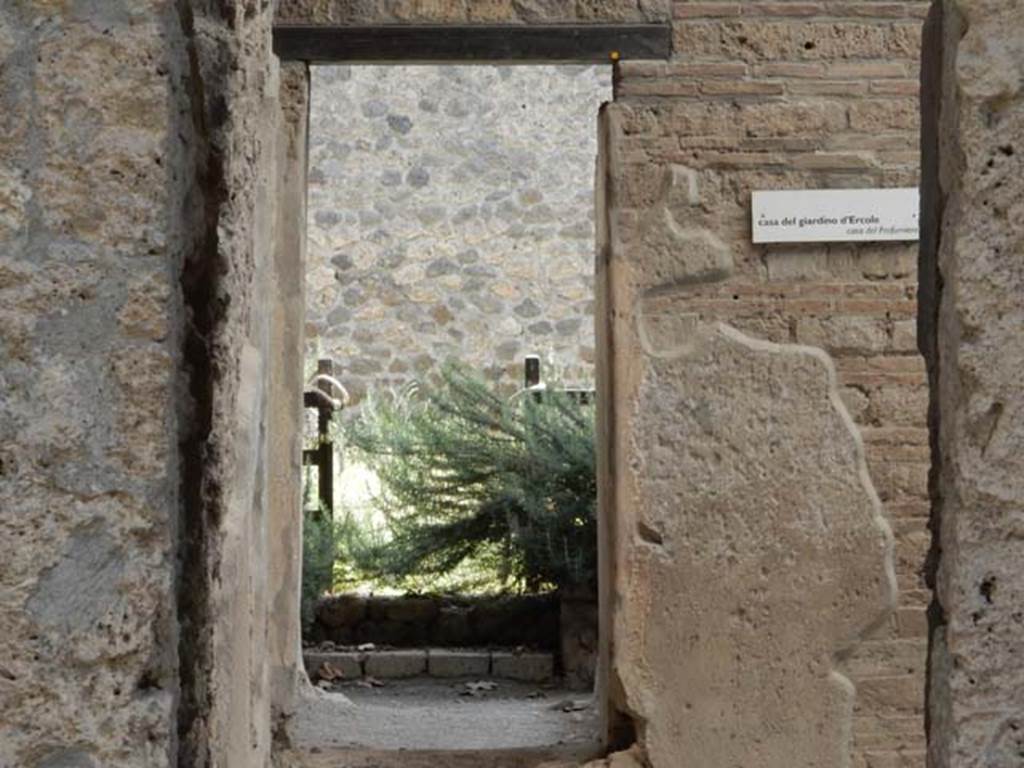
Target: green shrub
[(468, 476), (319, 551)]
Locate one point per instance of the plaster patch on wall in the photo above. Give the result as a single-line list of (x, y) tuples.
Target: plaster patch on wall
[(82, 585), (770, 558), (673, 251)]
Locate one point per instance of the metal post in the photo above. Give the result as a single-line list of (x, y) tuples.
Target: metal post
[(325, 458), (531, 368)]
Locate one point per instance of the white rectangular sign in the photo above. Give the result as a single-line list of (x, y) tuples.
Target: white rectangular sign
[(835, 215)]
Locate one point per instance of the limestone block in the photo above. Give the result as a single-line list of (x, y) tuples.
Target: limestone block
[(532, 667), (349, 663), (447, 663), (396, 663), (756, 554)]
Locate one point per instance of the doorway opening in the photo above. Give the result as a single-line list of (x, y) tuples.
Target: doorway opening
[(450, 545)]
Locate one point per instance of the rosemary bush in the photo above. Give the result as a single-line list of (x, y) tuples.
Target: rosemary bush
[(470, 476)]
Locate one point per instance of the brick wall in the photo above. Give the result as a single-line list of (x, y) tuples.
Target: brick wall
[(791, 95)]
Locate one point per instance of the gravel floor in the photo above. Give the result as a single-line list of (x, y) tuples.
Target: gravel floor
[(432, 714)]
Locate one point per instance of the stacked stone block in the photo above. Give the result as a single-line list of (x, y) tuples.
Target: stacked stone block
[(525, 666)]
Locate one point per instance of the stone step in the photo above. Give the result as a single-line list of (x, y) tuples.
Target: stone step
[(533, 667)]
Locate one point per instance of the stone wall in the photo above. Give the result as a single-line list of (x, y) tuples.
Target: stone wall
[(708, 466), (422, 621), (134, 237), (972, 284), (92, 171), (565, 624), (131, 208), (451, 216), (132, 168)]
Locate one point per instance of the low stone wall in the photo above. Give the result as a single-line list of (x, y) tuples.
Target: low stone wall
[(332, 666), (421, 621)]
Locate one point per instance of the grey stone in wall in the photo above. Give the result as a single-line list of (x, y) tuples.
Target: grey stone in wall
[(451, 215)]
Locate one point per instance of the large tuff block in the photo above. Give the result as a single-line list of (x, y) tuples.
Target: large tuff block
[(88, 363), (972, 267)]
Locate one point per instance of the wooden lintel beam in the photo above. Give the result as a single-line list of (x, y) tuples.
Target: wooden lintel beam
[(567, 43)]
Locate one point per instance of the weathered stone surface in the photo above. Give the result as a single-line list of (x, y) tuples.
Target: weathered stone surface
[(631, 758), (757, 555), (133, 143), (224, 715), (348, 663), (447, 663), (396, 663), (451, 216), (532, 667), (673, 254), (88, 441), (773, 96), (792, 40), (341, 610), (284, 433), (972, 272), (135, 160), (472, 11)]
